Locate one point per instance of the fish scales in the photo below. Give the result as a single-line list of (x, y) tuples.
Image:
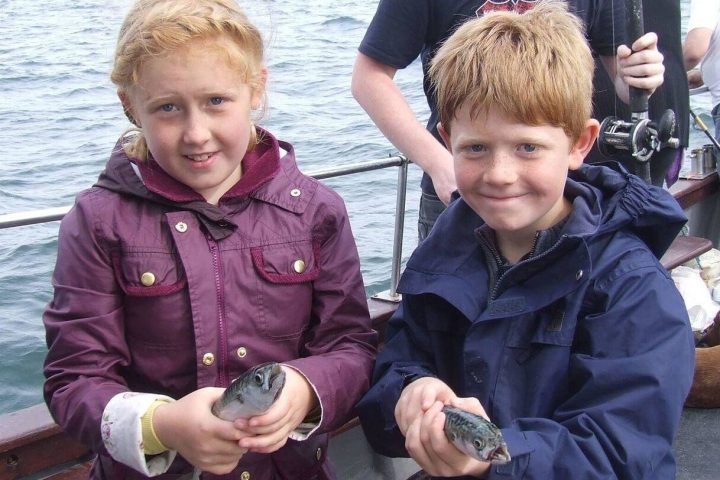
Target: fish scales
[(252, 393), (475, 436)]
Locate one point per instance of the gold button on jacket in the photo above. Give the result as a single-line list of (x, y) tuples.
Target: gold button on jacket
[(147, 279), (208, 359), (299, 266)]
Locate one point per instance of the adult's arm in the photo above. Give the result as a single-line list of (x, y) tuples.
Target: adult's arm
[(374, 88), (696, 45)]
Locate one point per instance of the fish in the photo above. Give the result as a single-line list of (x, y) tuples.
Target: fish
[(475, 436), (252, 393)]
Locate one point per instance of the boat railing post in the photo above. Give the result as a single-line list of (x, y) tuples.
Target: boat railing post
[(392, 295)]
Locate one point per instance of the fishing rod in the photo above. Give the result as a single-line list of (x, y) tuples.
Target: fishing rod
[(640, 137), (703, 127)]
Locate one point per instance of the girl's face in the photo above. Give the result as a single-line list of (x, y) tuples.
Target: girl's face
[(194, 109)]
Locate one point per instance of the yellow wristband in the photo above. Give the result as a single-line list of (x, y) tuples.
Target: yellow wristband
[(151, 444)]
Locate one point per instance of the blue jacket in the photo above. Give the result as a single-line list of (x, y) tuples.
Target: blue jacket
[(582, 354)]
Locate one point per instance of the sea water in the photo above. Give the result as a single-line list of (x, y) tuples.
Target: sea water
[(59, 118)]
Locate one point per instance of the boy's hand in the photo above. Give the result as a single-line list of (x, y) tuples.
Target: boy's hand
[(417, 397), (642, 67), (428, 445), (204, 440), (269, 432)]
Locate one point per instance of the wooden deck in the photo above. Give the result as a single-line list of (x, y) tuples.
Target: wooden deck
[(33, 446)]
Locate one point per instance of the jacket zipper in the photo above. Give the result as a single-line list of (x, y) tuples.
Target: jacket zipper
[(494, 292), (223, 377)]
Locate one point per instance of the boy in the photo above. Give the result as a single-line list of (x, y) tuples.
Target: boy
[(539, 300)]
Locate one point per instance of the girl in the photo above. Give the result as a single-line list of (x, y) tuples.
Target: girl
[(201, 252)]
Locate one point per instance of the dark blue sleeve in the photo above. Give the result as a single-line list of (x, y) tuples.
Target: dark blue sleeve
[(405, 357), (397, 33)]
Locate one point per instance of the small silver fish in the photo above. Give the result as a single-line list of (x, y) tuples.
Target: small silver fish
[(475, 436), (252, 393)]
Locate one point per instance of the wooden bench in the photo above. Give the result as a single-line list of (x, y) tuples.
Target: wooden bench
[(684, 249), (689, 193)]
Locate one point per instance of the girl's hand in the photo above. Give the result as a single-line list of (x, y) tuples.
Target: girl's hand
[(428, 445), (642, 67), (417, 397), (204, 440), (269, 432)]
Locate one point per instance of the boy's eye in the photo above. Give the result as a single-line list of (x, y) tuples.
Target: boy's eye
[(167, 107), (477, 148), (216, 100), (528, 148)]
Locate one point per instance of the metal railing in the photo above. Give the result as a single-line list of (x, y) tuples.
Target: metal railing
[(57, 213)]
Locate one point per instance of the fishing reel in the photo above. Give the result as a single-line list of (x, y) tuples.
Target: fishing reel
[(640, 138)]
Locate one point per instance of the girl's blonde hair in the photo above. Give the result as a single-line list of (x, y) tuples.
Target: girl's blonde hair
[(157, 27), (536, 67)]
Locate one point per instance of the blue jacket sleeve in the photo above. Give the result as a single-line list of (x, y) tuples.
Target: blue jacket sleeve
[(406, 356)]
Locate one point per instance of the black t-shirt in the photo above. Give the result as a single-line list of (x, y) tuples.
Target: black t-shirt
[(663, 18), (403, 29)]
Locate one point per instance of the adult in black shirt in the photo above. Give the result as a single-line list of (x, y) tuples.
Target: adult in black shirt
[(403, 29), (662, 17)]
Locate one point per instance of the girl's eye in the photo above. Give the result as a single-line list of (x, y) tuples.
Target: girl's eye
[(528, 148), (216, 100)]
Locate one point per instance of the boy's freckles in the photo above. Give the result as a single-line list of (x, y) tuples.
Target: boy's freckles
[(512, 174)]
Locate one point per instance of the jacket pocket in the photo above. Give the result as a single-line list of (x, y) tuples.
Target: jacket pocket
[(550, 327), (286, 274), (149, 274), (156, 305), (533, 377)]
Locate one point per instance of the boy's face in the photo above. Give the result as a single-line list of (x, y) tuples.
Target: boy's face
[(513, 174)]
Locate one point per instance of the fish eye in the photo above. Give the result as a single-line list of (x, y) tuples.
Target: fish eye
[(258, 379), (478, 444)]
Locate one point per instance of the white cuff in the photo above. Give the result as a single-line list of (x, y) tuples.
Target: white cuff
[(122, 432), (305, 429)]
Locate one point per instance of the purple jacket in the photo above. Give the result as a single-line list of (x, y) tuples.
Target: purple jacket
[(270, 274)]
